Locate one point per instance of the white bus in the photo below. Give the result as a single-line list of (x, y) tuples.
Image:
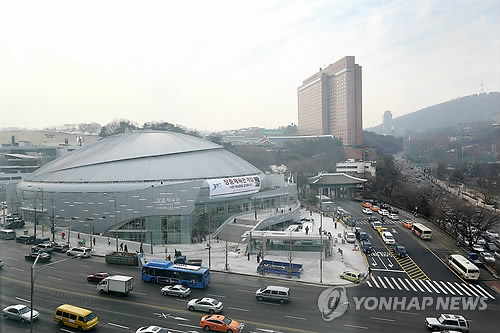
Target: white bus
[(463, 267), (421, 231)]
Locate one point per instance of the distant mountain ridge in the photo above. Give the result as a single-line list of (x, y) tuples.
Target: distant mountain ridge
[(477, 107)]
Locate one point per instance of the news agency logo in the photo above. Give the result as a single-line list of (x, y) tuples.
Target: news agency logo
[(333, 303)]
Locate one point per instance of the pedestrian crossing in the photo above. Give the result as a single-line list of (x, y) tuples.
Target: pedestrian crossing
[(387, 221), (428, 286)]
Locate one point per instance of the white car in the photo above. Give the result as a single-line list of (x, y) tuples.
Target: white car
[(477, 248), (376, 224), (176, 290), (367, 211), (84, 252), (383, 212), (19, 312), (487, 257), (394, 217), (205, 304), (481, 241), (388, 238), (152, 329), (491, 234), (350, 237)]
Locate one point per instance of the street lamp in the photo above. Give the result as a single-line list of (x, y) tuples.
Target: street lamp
[(321, 248), (33, 281), (36, 195), (91, 220)]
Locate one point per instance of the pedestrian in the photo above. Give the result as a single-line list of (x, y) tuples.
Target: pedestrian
[(169, 258), (248, 254), (234, 221), (121, 246), (335, 224), (141, 249), (109, 242), (78, 235), (307, 229), (94, 241), (258, 257), (83, 241), (63, 235), (126, 249)]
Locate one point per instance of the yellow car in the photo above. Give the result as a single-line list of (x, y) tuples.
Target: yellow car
[(351, 276), (381, 230)]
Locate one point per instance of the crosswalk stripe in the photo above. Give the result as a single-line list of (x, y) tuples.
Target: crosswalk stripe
[(484, 291), (369, 284), (381, 282), (411, 285), (460, 287), (469, 289), (479, 292), (395, 283), (388, 282), (452, 286), (430, 285), (444, 285), (423, 283), (401, 281), (437, 284), (375, 281), (418, 286)]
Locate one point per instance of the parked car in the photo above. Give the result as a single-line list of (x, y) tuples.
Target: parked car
[(25, 239), (152, 329), (477, 248), (45, 247), (16, 224), (491, 234), (474, 258), (481, 241), (19, 312), (41, 240), (350, 237), (205, 304), (176, 290), (220, 323), (61, 248), (447, 322), (367, 211), (84, 252), (97, 277), (491, 247), (497, 255), (487, 257), (44, 257), (351, 276)]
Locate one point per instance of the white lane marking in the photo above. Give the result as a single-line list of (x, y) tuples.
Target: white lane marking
[(453, 287), (369, 284), (425, 286), (477, 290), (381, 282), (137, 293), (300, 318), (437, 285), (401, 281), (484, 291), (388, 270), (239, 309), (275, 304), (375, 281), (460, 287), (410, 313), (384, 319), (444, 285), (53, 278), (411, 285), (469, 289), (354, 326), (218, 296), (85, 266), (65, 330), (430, 285), (17, 269), (246, 291), (120, 326), (22, 299), (10, 258), (395, 283), (187, 325), (388, 282), (418, 285)]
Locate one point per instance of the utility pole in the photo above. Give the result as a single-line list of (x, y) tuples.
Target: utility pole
[(321, 249)]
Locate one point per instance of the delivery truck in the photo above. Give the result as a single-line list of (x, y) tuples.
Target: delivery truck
[(118, 284)]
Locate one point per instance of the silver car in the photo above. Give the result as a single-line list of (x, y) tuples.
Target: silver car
[(19, 312), (205, 304), (176, 290)]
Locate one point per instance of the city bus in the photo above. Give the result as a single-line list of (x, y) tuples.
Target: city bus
[(166, 272), (421, 231), (463, 267)]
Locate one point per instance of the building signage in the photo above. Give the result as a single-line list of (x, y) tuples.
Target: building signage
[(168, 203), (232, 186)]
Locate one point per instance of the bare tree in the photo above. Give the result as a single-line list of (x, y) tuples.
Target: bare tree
[(290, 252), (53, 220), (224, 246)]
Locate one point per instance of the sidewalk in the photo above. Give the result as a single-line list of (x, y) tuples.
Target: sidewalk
[(238, 262)]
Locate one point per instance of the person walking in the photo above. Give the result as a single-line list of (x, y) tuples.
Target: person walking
[(78, 235), (94, 241), (140, 249), (126, 248), (121, 246), (63, 235), (109, 242), (307, 229)]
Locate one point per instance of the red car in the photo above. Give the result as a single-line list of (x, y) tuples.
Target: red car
[(220, 323), (97, 277)]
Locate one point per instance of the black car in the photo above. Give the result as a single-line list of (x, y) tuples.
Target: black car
[(16, 224), (44, 257), (25, 239), (62, 248), (41, 240), (491, 247)]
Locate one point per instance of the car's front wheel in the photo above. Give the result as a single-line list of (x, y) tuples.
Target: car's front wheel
[(191, 308), (61, 323), (23, 320), (229, 331), (206, 328), (211, 311), (5, 316)]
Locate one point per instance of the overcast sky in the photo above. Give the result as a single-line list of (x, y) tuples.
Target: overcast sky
[(214, 65)]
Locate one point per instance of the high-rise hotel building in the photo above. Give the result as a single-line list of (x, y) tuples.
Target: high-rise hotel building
[(329, 102)]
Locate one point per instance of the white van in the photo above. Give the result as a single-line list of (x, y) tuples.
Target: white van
[(273, 293), (7, 234)]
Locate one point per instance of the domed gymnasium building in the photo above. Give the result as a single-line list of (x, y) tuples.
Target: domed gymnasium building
[(159, 187)]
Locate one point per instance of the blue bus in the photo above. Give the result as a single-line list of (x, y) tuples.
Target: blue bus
[(166, 272)]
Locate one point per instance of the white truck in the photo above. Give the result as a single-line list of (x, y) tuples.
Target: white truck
[(119, 284)]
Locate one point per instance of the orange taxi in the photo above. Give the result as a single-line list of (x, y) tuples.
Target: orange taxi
[(408, 224), (366, 204), (220, 323), (375, 208)]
